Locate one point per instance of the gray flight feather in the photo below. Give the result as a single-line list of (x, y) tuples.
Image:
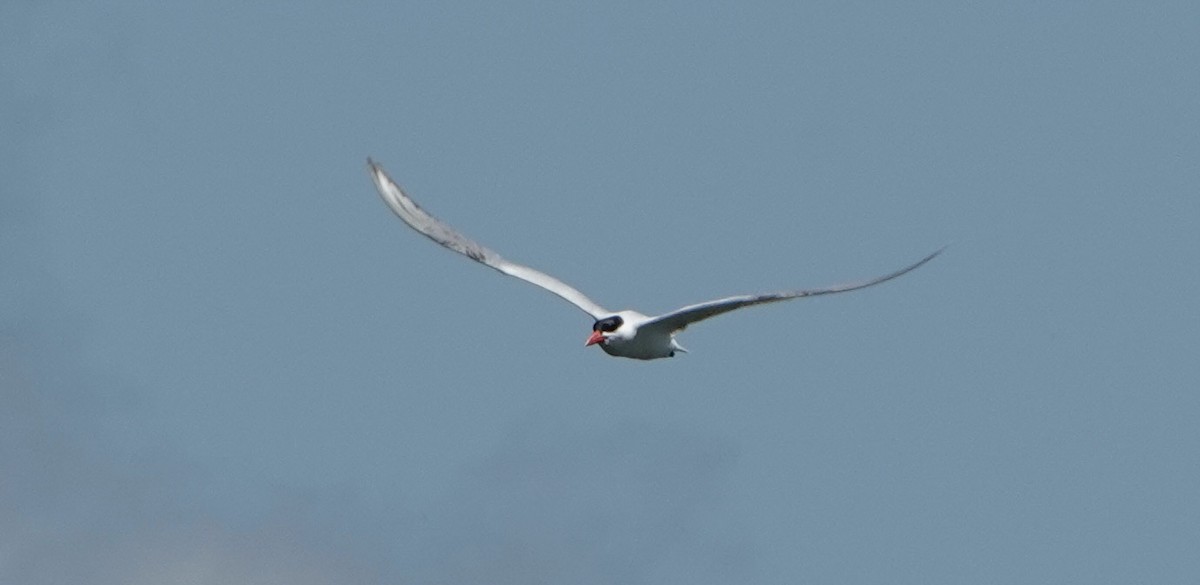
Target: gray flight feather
[(678, 319), (443, 234)]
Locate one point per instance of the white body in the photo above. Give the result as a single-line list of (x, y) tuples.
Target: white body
[(632, 340)]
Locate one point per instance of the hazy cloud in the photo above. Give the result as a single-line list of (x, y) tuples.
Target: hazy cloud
[(609, 504)]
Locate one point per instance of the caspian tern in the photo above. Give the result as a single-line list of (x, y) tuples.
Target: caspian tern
[(627, 334)]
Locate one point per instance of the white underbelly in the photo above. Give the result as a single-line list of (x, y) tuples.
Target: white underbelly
[(640, 347)]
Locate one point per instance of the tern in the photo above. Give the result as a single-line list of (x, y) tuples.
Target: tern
[(627, 334)]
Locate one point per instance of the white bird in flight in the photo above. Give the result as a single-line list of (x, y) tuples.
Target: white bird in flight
[(627, 334)]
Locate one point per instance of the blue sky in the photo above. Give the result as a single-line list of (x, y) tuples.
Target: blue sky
[(223, 360)]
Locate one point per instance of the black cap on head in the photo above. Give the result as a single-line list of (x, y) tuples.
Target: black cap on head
[(608, 324)]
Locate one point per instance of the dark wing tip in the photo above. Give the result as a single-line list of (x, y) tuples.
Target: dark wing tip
[(935, 254), (909, 268)]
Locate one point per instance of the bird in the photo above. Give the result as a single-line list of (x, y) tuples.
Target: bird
[(627, 333)]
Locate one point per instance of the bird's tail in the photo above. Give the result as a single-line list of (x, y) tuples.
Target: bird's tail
[(675, 346)]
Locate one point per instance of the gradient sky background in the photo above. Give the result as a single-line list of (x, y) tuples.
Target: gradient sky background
[(222, 360)]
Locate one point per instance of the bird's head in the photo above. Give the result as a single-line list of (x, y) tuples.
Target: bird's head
[(605, 328)]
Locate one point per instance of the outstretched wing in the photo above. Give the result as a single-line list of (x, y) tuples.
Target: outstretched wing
[(680, 318), (434, 229)]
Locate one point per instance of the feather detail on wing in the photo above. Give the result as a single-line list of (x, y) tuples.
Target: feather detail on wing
[(680, 318), (448, 237)]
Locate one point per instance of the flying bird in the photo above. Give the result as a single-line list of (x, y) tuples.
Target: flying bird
[(628, 334)]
